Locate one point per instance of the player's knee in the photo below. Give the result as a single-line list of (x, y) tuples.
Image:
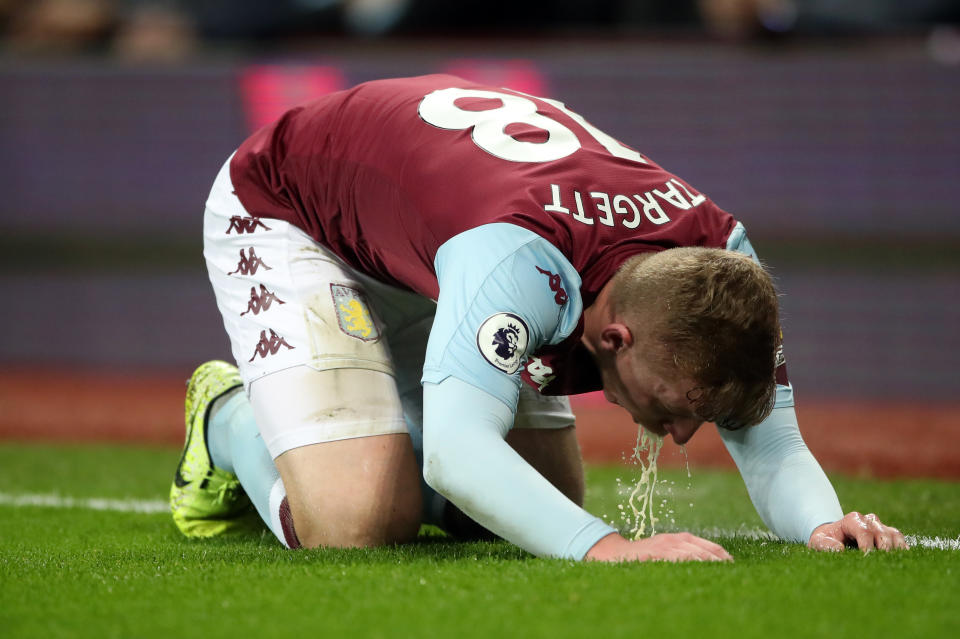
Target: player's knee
[(358, 525), (357, 534)]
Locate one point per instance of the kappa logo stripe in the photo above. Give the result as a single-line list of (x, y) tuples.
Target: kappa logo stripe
[(269, 345), (556, 285), (245, 225), (249, 265), (260, 301)]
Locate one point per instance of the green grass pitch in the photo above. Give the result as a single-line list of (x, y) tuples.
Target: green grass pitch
[(77, 572)]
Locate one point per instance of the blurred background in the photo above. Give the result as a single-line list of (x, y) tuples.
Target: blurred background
[(831, 129)]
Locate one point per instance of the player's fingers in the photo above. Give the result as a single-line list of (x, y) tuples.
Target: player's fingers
[(709, 547), (715, 550), (696, 552), (894, 539), (680, 552), (854, 527), (897, 538), (881, 538), (686, 547)]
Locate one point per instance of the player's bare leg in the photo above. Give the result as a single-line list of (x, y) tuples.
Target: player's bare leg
[(354, 492), (345, 459)]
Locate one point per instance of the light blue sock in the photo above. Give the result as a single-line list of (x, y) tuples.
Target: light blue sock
[(219, 427), (236, 446)]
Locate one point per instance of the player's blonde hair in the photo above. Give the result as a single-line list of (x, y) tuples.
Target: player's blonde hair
[(709, 315)]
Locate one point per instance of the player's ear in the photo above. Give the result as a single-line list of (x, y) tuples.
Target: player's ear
[(615, 337)]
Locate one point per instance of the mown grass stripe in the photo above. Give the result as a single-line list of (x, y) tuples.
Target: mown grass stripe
[(148, 506)]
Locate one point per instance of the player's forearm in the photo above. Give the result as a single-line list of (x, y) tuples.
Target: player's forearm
[(799, 497), (467, 460), (786, 484)]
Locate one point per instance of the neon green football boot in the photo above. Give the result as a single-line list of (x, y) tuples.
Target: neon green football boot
[(206, 500)]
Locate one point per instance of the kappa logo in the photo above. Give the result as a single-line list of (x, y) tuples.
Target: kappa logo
[(245, 224), (502, 340), (260, 301), (556, 285), (249, 265), (353, 313), (269, 345)]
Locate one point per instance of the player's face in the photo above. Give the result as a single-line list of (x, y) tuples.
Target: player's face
[(659, 404)]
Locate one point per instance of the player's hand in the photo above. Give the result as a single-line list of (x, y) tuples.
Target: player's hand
[(664, 547), (866, 531)]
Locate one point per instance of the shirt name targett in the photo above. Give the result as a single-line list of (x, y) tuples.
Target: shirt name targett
[(630, 210)]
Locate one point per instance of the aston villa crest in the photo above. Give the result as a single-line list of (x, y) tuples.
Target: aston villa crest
[(353, 313)]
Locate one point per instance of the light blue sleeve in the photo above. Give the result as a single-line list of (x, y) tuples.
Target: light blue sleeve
[(738, 241), (504, 291), (466, 459), (497, 304), (786, 484)]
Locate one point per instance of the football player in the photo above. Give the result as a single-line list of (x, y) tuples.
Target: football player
[(415, 273)]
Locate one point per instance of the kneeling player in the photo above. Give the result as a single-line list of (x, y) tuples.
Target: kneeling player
[(503, 253)]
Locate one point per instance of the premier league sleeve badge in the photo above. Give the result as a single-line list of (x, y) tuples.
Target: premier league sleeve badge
[(502, 340)]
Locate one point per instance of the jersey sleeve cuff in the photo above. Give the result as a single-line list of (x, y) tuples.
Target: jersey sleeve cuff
[(587, 537)]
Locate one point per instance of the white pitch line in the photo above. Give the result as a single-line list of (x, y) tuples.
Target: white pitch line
[(154, 506), (147, 506), (940, 543)]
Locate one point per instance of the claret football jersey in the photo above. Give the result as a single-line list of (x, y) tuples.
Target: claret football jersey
[(384, 174)]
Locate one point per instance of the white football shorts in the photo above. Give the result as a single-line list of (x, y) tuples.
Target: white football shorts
[(291, 308)]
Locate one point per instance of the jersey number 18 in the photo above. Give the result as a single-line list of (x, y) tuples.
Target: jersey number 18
[(440, 109)]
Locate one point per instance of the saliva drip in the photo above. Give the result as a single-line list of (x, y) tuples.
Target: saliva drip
[(641, 498)]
